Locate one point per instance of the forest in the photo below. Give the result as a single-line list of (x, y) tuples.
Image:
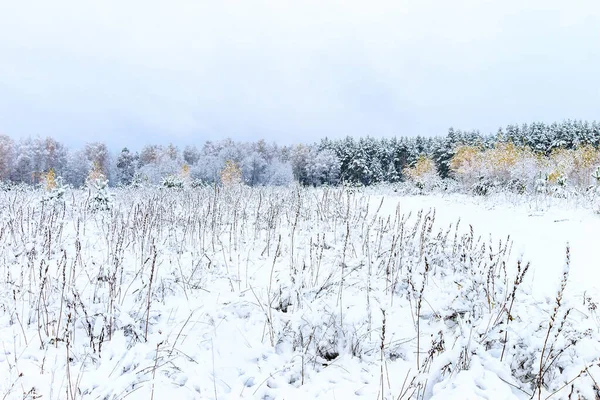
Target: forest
[(525, 157)]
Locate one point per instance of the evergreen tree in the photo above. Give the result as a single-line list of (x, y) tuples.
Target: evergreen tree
[(126, 167)]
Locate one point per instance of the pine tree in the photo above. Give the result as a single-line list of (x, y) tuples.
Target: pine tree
[(125, 167)]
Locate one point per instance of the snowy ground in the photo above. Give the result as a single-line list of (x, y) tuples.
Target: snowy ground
[(295, 294), (540, 231)]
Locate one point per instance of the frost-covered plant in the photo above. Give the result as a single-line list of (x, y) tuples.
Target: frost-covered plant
[(483, 187), (583, 160), (466, 163), (139, 180), (573, 165), (497, 168), (278, 174), (198, 183), (100, 197), (56, 191), (556, 178), (517, 186), (541, 185), (172, 182), (423, 174), (556, 184), (500, 160)]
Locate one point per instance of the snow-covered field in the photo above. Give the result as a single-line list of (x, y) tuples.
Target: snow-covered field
[(295, 294), (540, 230)]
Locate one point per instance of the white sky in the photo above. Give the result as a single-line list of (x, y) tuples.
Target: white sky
[(135, 72)]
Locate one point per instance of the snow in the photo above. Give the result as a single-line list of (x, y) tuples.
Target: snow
[(293, 293), (540, 232)]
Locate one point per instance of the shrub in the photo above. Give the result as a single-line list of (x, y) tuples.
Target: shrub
[(466, 163), (172, 182), (423, 173), (483, 187), (100, 198)]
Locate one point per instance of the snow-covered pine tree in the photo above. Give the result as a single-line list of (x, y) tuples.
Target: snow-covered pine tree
[(126, 167)]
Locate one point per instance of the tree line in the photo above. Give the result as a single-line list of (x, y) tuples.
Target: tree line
[(362, 161)]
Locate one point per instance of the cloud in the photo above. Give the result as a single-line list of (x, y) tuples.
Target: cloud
[(187, 71)]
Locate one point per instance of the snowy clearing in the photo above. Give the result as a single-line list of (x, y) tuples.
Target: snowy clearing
[(293, 294), (540, 231)]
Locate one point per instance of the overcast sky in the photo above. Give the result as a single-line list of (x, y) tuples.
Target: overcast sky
[(132, 72)]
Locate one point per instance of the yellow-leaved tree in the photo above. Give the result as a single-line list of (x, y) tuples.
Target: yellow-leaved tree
[(466, 163), (558, 166), (422, 173), (231, 174), (501, 160), (95, 173), (50, 178), (585, 159)]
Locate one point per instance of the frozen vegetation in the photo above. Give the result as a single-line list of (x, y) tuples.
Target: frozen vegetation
[(235, 292)]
